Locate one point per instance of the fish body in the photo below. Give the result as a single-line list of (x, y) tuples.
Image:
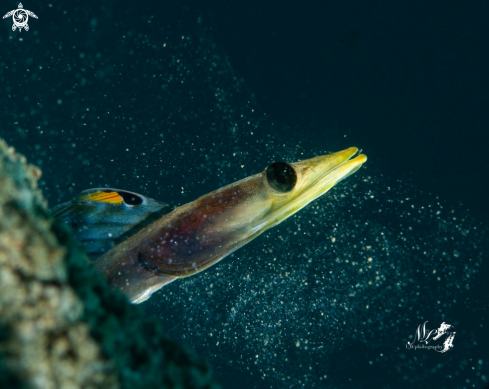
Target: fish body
[(190, 238)]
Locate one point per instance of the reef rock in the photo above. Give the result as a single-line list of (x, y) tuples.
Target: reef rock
[(61, 325)]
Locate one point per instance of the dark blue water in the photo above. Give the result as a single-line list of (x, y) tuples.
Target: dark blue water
[(176, 100)]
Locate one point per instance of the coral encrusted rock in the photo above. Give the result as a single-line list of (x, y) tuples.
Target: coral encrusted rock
[(61, 325)]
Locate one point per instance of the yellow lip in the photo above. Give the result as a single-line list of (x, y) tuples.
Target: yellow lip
[(322, 173)]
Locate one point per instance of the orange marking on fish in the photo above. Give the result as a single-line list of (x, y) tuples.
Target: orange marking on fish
[(103, 197)]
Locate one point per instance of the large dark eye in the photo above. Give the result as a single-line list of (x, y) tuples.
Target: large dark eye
[(281, 176), (130, 198)]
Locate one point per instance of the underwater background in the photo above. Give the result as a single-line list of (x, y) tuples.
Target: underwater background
[(176, 99)]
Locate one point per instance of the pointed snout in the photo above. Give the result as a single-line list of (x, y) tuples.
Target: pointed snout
[(315, 177)]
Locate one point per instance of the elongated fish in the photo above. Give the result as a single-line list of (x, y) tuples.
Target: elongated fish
[(144, 244)]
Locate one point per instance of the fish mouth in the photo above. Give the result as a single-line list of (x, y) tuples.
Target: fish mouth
[(316, 176), (320, 174)]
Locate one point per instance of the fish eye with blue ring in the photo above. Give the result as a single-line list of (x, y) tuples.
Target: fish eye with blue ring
[(129, 198), (281, 177)]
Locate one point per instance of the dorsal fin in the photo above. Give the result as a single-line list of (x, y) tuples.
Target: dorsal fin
[(103, 217)]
